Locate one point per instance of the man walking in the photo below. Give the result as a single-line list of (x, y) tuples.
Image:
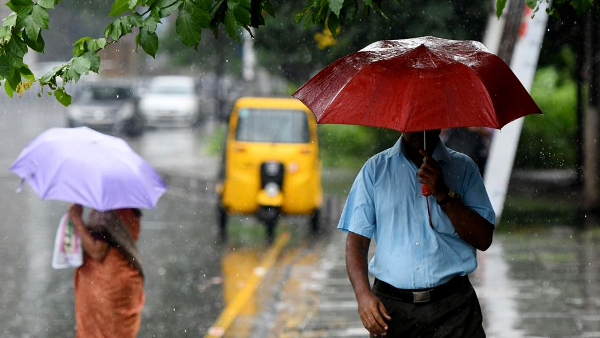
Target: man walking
[(425, 246)]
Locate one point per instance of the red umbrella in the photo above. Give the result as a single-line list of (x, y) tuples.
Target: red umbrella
[(418, 84)]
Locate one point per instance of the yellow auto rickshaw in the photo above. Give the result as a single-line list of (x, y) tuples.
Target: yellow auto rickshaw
[(271, 164)]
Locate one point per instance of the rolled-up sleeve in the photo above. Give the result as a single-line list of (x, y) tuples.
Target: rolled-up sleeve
[(358, 215)]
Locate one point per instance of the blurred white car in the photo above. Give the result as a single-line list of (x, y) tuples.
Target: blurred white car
[(171, 101)]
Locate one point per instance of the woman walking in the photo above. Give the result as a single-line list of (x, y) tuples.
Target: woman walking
[(109, 286)]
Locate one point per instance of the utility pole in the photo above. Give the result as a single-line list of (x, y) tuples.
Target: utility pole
[(249, 64), (591, 125)]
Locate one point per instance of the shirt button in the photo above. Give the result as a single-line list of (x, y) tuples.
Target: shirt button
[(418, 243)]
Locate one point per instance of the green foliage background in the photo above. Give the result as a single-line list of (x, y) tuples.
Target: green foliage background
[(548, 141)]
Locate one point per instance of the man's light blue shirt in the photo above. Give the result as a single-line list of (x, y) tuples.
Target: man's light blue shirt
[(386, 203)]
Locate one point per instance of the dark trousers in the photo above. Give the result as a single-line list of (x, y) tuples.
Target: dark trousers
[(456, 315)]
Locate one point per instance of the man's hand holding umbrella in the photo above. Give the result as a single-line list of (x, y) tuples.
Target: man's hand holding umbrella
[(469, 225)]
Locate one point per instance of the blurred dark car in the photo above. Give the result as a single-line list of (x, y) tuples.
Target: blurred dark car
[(107, 106)]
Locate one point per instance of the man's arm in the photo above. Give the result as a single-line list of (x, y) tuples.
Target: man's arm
[(470, 225), (372, 312)]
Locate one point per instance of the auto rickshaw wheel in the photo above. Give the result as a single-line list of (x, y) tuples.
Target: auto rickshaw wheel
[(269, 216), (315, 221), (270, 227), (222, 220)]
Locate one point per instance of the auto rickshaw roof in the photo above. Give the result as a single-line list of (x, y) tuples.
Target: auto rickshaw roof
[(270, 102)]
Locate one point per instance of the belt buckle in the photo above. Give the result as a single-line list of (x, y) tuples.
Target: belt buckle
[(421, 297)]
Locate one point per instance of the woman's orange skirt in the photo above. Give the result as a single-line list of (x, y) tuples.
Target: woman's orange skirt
[(109, 297)]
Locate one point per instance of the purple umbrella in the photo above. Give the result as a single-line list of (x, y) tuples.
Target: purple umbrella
[(80, 165)]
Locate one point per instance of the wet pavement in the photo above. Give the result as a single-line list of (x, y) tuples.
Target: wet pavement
[(539, 282)]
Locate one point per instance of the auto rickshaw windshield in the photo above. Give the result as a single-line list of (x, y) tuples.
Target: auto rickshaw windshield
[(272, 125)]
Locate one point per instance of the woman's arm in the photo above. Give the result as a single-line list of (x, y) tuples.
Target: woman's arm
[(95, 248)]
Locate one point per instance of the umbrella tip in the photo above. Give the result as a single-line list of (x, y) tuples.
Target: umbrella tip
[(20, 187)]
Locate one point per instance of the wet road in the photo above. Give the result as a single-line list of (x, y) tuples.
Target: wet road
[(188, 270)]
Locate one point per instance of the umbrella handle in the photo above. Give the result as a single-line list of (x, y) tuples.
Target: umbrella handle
[(425, 190), (424, 187)]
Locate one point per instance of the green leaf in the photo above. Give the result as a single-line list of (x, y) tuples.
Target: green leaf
[(336, 6), (81, 65), (201, 16), (40, 16), (131, 4), (531, 3), (10, 21), (20, 6), (71, 75), (79, 47), (167, 7), (119, 7), (241, 11), (149, 41), (37, 45), (231, 27), (203, 4), (32, 29), (26, 73), (116, 30), (108, 30), (62, 96), (188, 29), (125, 25), (150, 23), (333, 23), (8, 89), (136, 19), (50, 76), (500, 4), (15, 49), (268, 7), (94, 59), (13, 82), (82, 40), (48, 4), (101, 42), (6, 71)]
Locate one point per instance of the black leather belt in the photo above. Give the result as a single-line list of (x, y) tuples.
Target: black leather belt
[(422, 295)]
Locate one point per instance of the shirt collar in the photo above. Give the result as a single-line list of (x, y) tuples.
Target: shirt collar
[(439, 154)]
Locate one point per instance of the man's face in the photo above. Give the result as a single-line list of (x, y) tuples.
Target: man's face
[(415, 139)]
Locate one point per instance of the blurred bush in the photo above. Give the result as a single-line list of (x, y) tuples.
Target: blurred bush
[(548, 141), (350, 146)]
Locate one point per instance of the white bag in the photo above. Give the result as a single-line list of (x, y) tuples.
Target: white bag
[(67, 246)]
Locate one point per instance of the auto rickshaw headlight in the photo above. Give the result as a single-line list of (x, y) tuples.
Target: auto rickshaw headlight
[(272, 189)]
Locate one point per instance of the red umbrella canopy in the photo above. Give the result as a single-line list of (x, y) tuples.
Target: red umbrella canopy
[(418, 84)]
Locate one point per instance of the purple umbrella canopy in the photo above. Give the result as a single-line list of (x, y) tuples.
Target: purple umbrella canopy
[(80, 165)]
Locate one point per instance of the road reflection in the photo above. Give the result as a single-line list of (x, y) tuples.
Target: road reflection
[(542, 281)]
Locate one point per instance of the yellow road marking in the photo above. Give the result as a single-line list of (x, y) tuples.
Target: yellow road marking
[(231, 311)]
